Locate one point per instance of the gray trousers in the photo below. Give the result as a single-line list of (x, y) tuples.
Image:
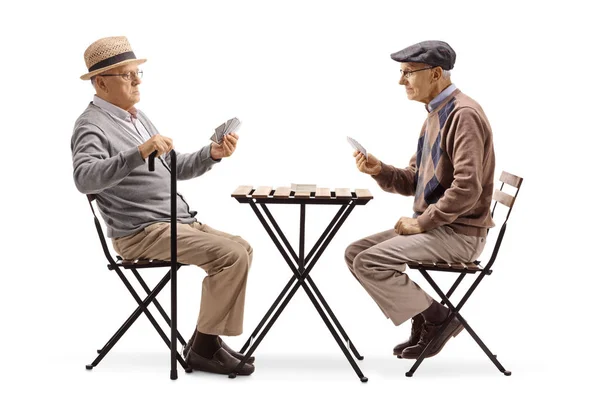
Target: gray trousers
[(378, 263)]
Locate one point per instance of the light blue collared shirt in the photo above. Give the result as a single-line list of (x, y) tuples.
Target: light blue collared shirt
[(440, 97), (125, 119)]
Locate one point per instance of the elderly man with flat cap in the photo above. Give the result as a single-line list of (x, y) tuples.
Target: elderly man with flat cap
[(451, 178), (110, 144)]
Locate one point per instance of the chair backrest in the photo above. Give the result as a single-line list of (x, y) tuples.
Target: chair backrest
[(506, 200), (109, 257)]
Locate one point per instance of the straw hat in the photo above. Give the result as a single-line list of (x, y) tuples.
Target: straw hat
[(108, 53)]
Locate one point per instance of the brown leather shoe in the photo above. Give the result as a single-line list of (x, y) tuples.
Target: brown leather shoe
[(228, 349), (415, 334), (429, 331), (221, 363)]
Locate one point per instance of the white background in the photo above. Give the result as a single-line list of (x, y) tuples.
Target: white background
[(301, 76)]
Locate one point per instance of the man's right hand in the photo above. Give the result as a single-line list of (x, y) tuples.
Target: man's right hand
[(161, 144), (371, 167)]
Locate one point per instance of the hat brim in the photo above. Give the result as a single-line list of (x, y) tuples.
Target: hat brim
[(89, 75)]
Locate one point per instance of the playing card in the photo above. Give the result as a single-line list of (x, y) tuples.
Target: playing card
[(232, 125), (357, 146), (220, 129), (225, 129), (227, 124)]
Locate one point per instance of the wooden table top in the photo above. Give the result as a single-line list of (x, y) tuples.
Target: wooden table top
[(286, 195)]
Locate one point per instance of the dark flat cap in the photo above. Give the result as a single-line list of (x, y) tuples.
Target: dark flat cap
[(432, 52)]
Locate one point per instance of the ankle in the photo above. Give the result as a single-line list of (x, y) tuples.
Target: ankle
[(205, 345), (435, 313)]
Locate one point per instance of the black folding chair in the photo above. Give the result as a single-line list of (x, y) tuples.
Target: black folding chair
[(120, 264), (469, 268)]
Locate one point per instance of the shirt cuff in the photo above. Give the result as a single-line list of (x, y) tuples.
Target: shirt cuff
[(133, 158)]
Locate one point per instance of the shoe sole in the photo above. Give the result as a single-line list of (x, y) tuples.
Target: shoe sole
[(221, 372), (185, 352), (218, 370)]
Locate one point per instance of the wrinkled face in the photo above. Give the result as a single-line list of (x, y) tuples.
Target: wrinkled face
[(124, 92), (418, 82)]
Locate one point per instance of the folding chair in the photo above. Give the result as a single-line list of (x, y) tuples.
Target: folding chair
[(134, 265), (469, 268)]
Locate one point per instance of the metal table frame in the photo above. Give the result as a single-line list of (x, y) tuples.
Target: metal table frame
[(301, 266)]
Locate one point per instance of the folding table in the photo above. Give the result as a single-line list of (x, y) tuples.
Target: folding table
[(301, 264)]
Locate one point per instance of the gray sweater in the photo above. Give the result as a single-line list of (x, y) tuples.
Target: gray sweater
[(107, 162)]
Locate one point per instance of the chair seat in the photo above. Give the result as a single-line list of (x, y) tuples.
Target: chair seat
[(141, 263), (469, 268)]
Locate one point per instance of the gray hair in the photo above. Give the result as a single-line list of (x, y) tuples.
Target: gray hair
[(446, 73)]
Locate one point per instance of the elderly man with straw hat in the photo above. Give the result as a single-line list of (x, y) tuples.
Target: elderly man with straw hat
[(451, 178), (110, 144)]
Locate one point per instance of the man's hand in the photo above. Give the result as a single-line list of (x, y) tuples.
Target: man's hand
[(225, 148), (371, 167), (161, 144), (407, 226)]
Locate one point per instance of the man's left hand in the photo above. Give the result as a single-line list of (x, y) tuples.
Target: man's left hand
[(225, 148), (408, 226)]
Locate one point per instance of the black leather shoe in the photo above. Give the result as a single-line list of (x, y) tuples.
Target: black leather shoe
[(188, 346), (228, 349), (234, 353), (429, 331), (415, 334), (221, 363)]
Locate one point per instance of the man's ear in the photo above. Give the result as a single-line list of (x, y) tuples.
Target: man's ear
[(437, 74), (101, 84)]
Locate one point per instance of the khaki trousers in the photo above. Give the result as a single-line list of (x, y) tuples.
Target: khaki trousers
[(225, 258), (378, 263)]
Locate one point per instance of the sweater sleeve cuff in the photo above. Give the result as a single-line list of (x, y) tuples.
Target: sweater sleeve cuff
[(384, 175), (426, 223), (206, 157), (133, 158)]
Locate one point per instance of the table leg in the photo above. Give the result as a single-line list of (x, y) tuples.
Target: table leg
[(300, 274)]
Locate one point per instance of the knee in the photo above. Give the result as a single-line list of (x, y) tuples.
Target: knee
[(249, 250), (350, 255), (239, 257), (362, 262)]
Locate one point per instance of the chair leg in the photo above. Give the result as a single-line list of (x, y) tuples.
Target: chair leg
[(157, 305), (142, 307), (485, 349), (121, 331), (455, 311), (454, 286), (159, 330)]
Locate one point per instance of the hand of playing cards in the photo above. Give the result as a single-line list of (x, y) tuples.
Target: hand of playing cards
[(358, 147), (225, 129)]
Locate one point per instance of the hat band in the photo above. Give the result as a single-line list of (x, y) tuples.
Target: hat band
[(112, 60)]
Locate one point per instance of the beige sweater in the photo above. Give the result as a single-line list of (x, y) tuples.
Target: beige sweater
[(452, 173)]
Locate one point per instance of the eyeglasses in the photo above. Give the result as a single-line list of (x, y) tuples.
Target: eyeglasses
[(129, 76), (407, 74)]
